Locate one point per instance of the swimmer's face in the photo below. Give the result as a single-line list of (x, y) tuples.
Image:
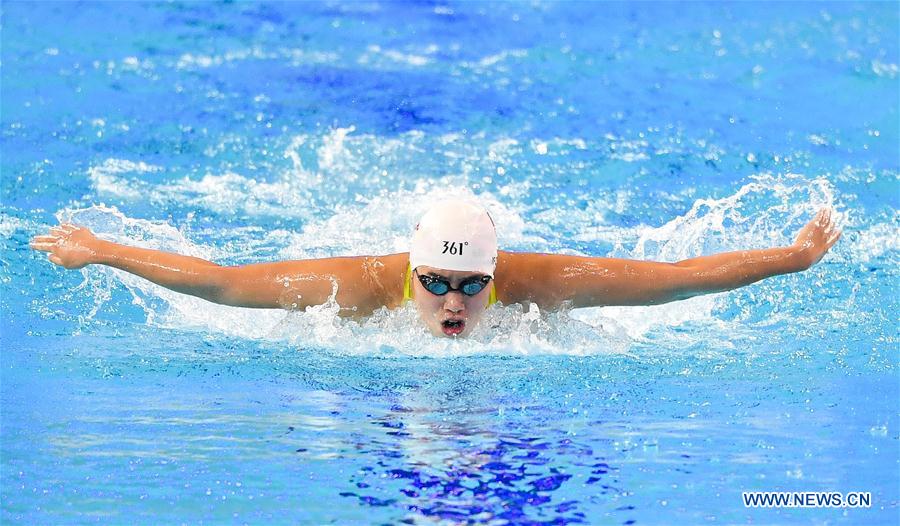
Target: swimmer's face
[(454, 313)]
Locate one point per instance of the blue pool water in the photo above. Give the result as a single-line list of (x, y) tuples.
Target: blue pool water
[(245, 132)]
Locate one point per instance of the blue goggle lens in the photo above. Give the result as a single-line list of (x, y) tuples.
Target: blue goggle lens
[(439, 287)]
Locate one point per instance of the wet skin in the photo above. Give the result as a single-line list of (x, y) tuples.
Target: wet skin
[(363, 284), (454, 313)]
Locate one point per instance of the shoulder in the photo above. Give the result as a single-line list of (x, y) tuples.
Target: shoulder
[(520, 276), (512, 264), (385, 275), (365, 283), (544, 279), (517, 260)]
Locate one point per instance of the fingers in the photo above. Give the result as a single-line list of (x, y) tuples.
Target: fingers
[(44, 243), (43, 247), (64, 228), (830, 231), (831, 223), (55, 259), (826, 220), (44, 239), (57, 234)]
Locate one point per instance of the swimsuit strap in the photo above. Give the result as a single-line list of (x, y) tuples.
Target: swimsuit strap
[(492, 298), (407, 286), (407, 283)]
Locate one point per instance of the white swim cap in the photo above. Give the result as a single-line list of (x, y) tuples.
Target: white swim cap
[(455, 235)]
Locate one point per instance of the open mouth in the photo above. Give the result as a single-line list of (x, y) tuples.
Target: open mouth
[(453, 327)]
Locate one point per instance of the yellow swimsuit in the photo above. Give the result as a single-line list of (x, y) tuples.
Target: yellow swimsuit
[(407, 288)]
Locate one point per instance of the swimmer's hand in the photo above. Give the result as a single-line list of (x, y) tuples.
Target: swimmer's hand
[(69, 246), (816, 238)]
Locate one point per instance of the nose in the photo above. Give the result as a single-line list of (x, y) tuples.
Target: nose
[(453, 302)]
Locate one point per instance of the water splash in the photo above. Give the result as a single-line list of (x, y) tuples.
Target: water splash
[(763, 212)]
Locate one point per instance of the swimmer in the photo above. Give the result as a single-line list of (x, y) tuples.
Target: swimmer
[(452, 272)]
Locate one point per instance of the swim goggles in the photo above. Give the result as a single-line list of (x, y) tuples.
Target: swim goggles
[(440, 286)]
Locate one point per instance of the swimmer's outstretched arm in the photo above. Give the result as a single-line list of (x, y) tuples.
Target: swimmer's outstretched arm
[(287, 284), (551, 280)]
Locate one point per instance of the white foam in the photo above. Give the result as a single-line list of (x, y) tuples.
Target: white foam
[(296, 57), (330, 168), (503, 149), (630, 157), (10, 224), (375, 55), (877, 241), (300, 57), (556, 146), (333, 147), (227, 192), (137, 65), (491, 60), (885, 69), (629, 150), (106, 178), (709, 226), (203, 61)]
